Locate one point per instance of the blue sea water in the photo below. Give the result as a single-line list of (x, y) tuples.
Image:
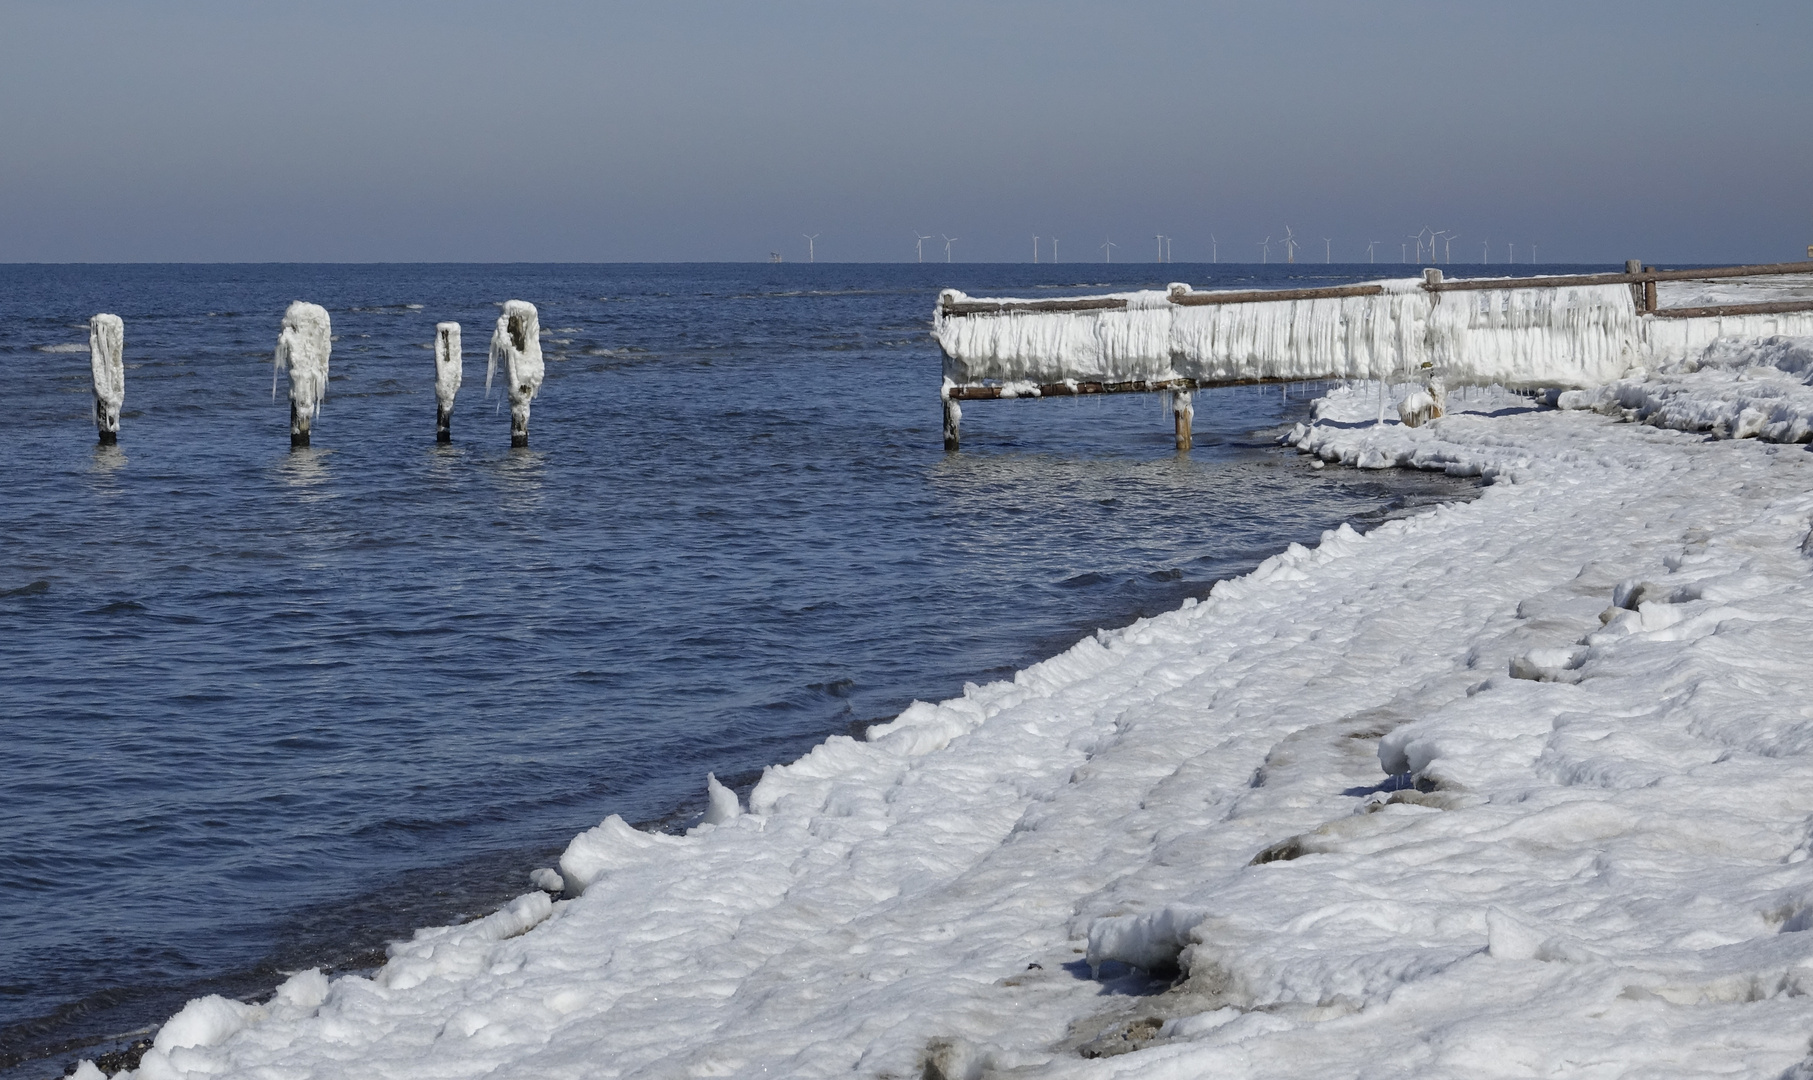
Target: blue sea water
[(264, 710)]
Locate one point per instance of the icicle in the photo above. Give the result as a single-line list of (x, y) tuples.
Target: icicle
[(517, 341), (106, 355), (303, 347), (447, 365)]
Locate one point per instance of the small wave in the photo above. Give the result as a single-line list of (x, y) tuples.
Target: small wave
[(36, 588), (67, 347)]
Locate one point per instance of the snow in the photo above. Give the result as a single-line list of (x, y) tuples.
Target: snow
[(517, 342), (1521, 786), (303, 347), (1569, 336), (106, 350), (447, 364)]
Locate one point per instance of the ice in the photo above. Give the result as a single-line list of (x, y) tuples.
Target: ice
[(447, 364), (303, 348), (106, 350), (1518, 786), (517, 342), (1522, 338)]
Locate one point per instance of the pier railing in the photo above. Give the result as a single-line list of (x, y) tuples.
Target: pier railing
[(1643, 281)]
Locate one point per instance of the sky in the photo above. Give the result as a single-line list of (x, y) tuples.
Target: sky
[(723, 131)]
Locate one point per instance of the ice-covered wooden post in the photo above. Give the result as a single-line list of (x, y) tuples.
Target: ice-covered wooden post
[(106, 354), (1183, 413), (303, 347), (953, 417), (517, 342), (447, 362)]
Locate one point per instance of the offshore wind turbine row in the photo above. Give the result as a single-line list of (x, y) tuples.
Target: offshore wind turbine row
[(1433, 247), (305, 342)]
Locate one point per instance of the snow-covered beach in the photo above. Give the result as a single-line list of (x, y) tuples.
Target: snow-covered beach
[(1522, 786)]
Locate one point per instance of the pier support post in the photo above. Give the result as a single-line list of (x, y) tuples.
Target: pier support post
[(1183, 412), (1649, 291), (303, 347), (517, 343), (1637, 292), (106, 351), (447, 362), (953, 419), (299, 424), (1432, 276)]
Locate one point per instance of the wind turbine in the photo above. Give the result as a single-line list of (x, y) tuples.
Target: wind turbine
[(1532, 253), (1054, 250), (1403, 249), (1214, 251), (1265, 250), (1035, 249), (920, 244), (1290, 245), (809, 251), (1370, 244), (1108, 247), (948, 241), (1510, 252), (1167, 249), (1160, 237), (1448, 240), (1484, 252), (1326, 249)]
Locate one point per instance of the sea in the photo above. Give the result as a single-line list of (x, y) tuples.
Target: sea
[(267, 709)]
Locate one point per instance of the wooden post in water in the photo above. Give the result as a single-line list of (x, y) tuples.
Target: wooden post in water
[(1183, 412), (953, 419), (1649, 290), (1635, 266), (517, 342), (106, 356), (303, 346), (447, 363)]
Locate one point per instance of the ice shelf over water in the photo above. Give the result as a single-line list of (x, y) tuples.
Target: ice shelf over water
[(1565, 336), (1516, 787)]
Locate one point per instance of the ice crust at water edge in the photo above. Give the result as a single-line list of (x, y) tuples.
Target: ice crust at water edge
[(1520, 786)]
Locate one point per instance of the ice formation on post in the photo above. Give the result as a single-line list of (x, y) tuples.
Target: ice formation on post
[(447, 362), (517, 342), (106, 350), (303, 348)]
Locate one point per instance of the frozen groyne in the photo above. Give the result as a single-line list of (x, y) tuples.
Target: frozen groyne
[(1568, 332)]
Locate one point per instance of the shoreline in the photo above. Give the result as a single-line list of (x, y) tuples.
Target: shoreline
[(1509, 777)]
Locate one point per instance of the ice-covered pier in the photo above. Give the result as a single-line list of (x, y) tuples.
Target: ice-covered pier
[(1557, 332)]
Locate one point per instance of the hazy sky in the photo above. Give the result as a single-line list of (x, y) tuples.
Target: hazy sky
[(245, 131)]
